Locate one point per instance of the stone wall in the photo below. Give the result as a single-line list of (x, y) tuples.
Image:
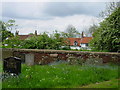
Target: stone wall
[(47, 56)]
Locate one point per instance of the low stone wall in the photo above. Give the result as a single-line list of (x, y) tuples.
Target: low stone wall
[(37, 56)]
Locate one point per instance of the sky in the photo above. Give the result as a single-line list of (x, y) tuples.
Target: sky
[(51, 16)]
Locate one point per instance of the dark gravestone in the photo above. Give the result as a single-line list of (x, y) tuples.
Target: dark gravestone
[(12, 65)]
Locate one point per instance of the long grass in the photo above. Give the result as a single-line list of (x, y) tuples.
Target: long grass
[(106, 84), (60, 76), (0, 74)]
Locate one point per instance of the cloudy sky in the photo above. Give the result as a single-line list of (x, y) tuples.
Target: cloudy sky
[(50, 16)]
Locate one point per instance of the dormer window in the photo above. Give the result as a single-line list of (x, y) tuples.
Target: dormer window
[(75, 43)]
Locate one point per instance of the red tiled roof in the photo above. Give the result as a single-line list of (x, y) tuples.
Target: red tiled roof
[(23, 37), (72, 40), (86, 39), (78, 40)]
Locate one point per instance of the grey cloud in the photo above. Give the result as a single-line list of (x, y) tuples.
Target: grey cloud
[(25, 10), (72, 8)]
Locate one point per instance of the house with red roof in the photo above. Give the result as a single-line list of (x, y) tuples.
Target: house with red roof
[(75, 43), (78, 43), (23, 37)]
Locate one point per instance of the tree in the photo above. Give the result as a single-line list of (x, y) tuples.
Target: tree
[(58, 40), (44, 41), (71, 32), (12, 42), (6, 28), (107, 36), (30, 34), (110, 8), (5, 33), (93, 28), (10, 25)]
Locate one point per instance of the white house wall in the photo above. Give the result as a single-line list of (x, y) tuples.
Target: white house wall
[(75, 47), (83, 45)]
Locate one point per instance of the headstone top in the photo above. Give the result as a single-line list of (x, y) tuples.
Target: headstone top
[(12, 65), (16, 58)]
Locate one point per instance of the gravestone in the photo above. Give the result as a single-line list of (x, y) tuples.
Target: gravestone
[(29, 59), (12, 65)]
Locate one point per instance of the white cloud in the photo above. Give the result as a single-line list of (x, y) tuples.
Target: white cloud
[(60, 0), (36, 16), (23, 10), (81, 22), (46, 11), (0, 10)]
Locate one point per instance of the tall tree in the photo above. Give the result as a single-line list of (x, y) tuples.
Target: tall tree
[(93, 28), (110, 7), (10, 25), (107, 36), (70, 32), (4, 31)]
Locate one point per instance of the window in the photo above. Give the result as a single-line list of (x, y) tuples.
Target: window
[(86, 44), (75, 43)]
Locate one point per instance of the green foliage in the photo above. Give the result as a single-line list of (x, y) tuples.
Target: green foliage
[(43, 41), (5, 34), (5, 29), (10, 25), (60, 76), (107, 36), (12, 42)]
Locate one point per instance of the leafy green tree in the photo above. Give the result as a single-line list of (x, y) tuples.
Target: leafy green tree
[(110, 8), (10, 25), (5, 29), (12, 42), (107, 36), (58, 40), (30, 34), (44, 41)]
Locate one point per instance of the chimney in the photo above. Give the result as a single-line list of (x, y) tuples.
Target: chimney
[(36, 32), (16, 33), (82, 34)]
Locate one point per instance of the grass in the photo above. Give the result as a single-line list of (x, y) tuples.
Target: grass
[(61, 76), (0, 66), (111, 84), (0, 73), (0, 44)]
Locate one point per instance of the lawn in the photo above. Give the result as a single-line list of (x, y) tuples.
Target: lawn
[(106, 84), (61, 76), (0, 44), (0, 73)]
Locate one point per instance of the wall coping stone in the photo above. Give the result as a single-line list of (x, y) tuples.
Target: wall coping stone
[(58, 51)]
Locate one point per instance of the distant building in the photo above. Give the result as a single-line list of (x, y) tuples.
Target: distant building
[(23, 37), (75, 43), (79, 43)]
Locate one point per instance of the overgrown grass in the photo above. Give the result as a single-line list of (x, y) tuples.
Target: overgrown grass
[(0, 66), (0, 74), (61, 76), (0, 44), (111, 84)]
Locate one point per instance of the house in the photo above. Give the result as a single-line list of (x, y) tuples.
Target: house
[(23, 37), (79, 43), (75, 43)]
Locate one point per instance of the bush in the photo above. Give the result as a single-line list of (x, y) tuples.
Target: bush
[(107, 35)]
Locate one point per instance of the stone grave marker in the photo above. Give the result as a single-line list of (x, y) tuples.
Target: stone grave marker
[(12, 65)]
